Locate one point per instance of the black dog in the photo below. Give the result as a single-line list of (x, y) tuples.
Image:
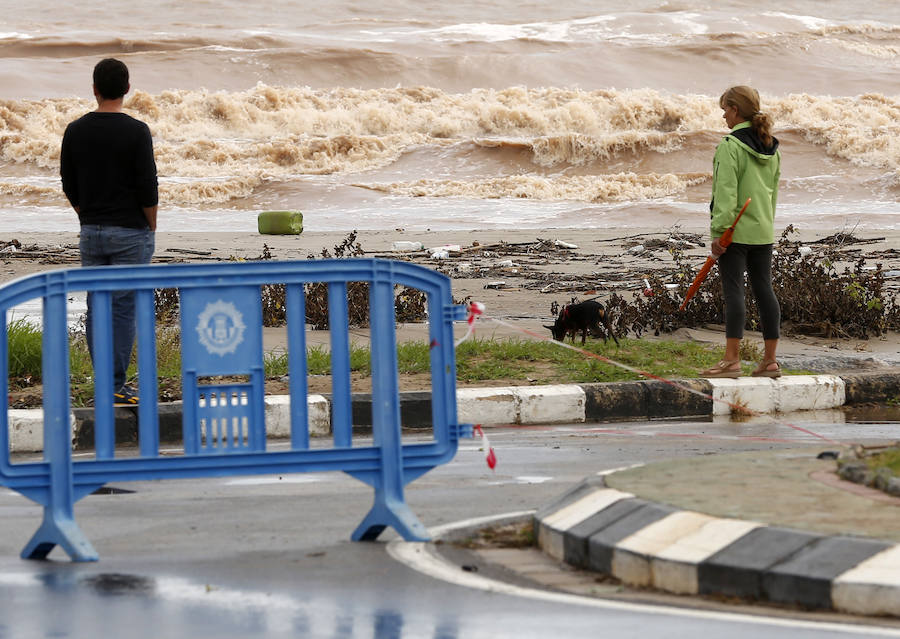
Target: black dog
[(584, 317)]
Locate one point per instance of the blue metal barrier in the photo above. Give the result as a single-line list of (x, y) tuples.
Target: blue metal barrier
[(224, 424)]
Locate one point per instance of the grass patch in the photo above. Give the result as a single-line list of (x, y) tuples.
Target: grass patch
[(545, 362), (318, 360), (478, 361), (24, 342), (888, 459)]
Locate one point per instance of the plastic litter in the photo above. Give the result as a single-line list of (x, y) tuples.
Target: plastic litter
[(452, 248), (404, 245)]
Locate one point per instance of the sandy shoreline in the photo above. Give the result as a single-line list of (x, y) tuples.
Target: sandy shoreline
[(605, 260), (517, 280)]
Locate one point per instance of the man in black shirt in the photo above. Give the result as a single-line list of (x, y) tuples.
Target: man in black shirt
[(109, 176)]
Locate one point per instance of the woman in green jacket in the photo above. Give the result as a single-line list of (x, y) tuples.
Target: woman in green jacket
[(747, 164)]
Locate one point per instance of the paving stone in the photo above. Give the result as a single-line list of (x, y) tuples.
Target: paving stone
[(576, 550), (737, 569), (624, 521), (805, 577)]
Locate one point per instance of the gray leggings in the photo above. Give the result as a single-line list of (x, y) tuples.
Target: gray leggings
[(756, 260)]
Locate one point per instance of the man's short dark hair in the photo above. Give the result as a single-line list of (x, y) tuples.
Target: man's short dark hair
[(111, 78)]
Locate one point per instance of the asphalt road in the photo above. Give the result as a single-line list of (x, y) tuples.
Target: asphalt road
[(270, 556)]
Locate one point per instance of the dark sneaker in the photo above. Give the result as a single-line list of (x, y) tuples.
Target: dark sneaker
[(126, 396)]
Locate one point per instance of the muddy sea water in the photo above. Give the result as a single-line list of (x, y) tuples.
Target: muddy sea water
[(424, 114)]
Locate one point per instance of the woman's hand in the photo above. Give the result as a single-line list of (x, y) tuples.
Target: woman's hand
[(715, 248)]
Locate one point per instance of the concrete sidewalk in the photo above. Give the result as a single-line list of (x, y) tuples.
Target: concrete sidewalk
[(771, 526)]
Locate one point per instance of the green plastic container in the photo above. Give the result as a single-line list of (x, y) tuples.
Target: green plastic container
[(280, 222)]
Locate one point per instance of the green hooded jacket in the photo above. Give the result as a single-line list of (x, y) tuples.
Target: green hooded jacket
[(743, 167)]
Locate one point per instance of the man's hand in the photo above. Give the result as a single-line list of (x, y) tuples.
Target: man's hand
[(715, 248), (150, 214)]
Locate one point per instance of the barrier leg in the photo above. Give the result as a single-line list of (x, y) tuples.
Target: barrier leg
[(58, 527), (390, 507), (59, 530), (386, 512)]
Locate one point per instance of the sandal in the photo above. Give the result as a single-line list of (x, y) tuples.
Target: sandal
[(763, 369), (725, 368)]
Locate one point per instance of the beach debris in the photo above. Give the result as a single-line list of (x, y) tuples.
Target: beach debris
[(280, 222), (637, 249), (804, 251), (566, 245), (841, 239), (188, 251), (404, 246), (674, 238), (444, 252), (844, 284)]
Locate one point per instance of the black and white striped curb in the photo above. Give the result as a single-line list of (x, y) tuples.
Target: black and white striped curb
[(555, 404), (680, 551)]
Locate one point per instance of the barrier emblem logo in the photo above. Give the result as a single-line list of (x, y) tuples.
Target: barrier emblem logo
[(220, 327)]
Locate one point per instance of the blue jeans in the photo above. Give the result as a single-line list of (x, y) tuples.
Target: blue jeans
[(109, 245)]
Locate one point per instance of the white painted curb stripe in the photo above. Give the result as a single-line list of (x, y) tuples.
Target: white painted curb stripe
[(497, 405), (785, 394), (557, 404), (552, 404), (576, 512), (708, 540), (872, 587), (631, 556), (551, 530), (675, 568)]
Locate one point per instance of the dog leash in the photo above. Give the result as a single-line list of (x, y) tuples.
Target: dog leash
[(478, 310)]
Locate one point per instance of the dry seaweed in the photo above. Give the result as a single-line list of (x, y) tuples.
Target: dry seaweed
[(816, 297), (409, 303)]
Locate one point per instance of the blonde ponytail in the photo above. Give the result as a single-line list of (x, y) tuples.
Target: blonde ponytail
[(746, 100)]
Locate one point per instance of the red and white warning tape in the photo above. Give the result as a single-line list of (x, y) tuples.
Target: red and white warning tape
[(490, 456), (475, 310)]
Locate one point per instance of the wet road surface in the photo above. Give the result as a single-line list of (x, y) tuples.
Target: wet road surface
[(270, 556)]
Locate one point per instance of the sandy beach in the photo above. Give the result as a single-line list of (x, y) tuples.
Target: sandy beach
[(519, 280), (516, 274)]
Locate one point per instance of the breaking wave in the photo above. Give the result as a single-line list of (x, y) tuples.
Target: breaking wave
[(213, 147)]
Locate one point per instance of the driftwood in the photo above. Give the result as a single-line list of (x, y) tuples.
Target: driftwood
[(847, 238), (188, 251)]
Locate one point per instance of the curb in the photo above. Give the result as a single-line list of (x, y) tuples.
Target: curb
[(526, 405), (684, 552)]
